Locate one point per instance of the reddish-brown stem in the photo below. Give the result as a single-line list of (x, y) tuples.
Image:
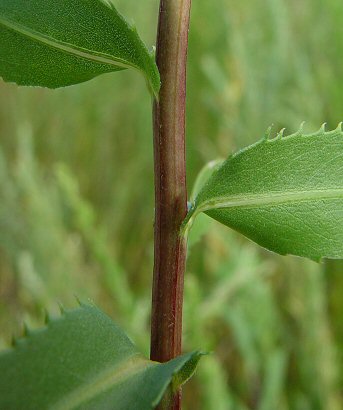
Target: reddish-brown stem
[(170, 182)]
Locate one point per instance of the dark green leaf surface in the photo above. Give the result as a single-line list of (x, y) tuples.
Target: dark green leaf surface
[(56, 43), (285, 193), (84, 361)]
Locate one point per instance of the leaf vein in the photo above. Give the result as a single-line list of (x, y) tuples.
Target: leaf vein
[(97, 57), (270, 199)]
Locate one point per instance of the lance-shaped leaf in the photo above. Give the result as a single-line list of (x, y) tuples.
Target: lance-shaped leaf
[(56, 43), (84, 361), (285, 193)]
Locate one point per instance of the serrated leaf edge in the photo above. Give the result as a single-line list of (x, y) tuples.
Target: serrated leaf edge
[(109, 377), (81, 52), (254, 200)]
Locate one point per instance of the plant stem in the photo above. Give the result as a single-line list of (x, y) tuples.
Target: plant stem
[(170, 182)]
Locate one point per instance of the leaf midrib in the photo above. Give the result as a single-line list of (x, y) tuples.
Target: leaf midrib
[(269, 199), (68, 48), (103, 382)]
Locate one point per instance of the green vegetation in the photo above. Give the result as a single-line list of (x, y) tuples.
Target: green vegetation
[(284, 193), (73, 217), (67, 43), (114, 371)]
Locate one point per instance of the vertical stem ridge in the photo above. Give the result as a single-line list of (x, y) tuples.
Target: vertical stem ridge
[(170, 182)]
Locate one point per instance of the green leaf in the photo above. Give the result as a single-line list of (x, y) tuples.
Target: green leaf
[(204, 175), (285, 193), (84, 361), (54, 44)]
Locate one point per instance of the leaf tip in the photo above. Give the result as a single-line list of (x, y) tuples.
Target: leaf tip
[(181, 376)]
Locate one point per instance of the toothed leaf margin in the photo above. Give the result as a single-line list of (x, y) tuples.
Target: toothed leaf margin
[(84, 360), (285, 193)]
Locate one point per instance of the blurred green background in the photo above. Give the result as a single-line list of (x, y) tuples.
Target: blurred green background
[(76, 203)]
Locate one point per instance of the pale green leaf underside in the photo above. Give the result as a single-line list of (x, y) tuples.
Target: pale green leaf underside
[(285, 193), (202, 223), (84, 361), (54, 44), (204, 175)]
